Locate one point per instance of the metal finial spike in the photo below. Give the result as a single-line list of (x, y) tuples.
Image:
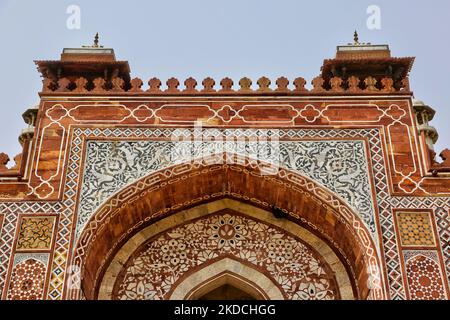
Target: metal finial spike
[(356, 37), (96, 40)]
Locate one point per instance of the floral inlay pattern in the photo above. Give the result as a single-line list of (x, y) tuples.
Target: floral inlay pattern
[(158, 265), (340, 166)]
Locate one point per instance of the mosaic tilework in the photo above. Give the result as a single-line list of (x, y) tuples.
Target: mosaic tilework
[(415, 229), (424, 275), (12, 211), (35, 233), (6, 241), (28, 277), (386, 203), (79, 135)]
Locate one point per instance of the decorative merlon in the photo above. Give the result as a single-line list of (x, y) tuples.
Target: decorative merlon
[(119, 85), (444, 166)]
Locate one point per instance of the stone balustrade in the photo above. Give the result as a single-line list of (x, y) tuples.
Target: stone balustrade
[(335, 86)]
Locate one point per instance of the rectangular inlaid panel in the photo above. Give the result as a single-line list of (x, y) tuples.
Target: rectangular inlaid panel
[(35, 233), (424, 275), (415, 229), (28, 276)]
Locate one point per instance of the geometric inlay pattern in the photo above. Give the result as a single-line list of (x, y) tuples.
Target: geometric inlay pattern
[(11, 212), (415, 229), (424, 275), (156, 267), (385, 202), (27, 280), (35, 233)]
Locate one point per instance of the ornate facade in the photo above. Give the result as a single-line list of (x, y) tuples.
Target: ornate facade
[(224, 190)]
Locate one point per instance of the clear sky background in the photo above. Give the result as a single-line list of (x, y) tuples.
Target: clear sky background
[(233, 38)]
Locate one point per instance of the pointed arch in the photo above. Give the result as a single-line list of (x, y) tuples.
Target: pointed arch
[(168, 191), (257, 231), (245, 278)]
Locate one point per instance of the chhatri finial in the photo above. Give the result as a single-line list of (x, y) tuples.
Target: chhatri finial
[(95, 45), (96, 40), (356, 38)]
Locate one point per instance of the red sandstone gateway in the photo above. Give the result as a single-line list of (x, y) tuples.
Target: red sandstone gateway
[(217, 190)]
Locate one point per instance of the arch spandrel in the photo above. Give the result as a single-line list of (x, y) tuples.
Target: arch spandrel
[(339, 165)]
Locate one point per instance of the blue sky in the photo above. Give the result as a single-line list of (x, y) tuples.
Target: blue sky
[(233, 38)]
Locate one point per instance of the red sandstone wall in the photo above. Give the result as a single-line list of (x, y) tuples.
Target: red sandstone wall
[(30, 202)]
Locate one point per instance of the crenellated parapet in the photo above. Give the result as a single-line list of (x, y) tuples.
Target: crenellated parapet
[(226, 86), (17, 171), (443, 166), (10, 172)]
